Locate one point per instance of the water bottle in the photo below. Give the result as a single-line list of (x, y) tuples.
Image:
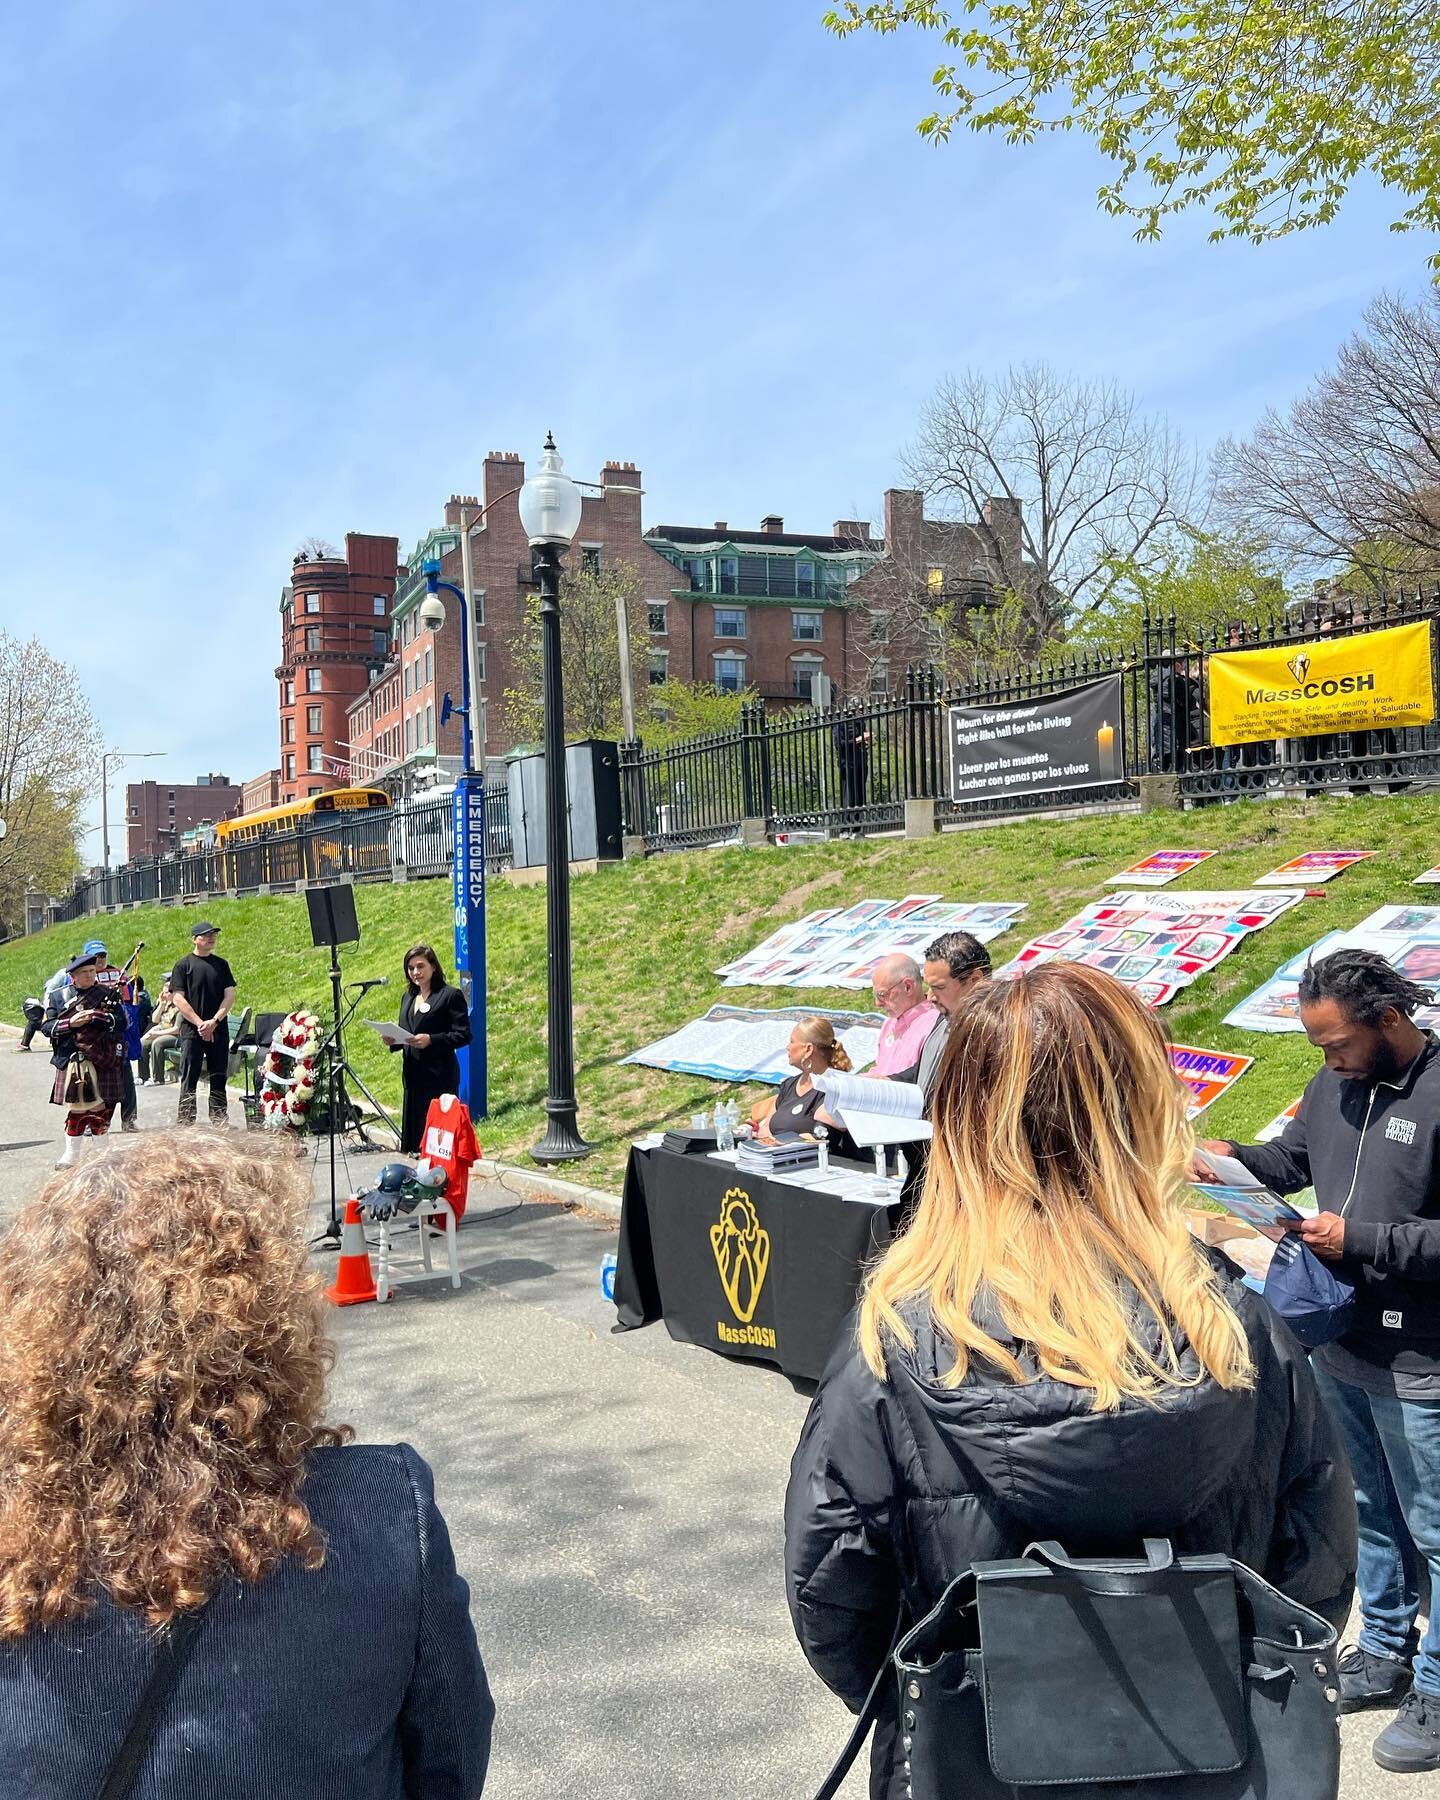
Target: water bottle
[(607, 1277), (724, 1126)]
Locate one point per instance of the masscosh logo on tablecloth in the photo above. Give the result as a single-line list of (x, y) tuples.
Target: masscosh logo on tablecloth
[(742, 1255)]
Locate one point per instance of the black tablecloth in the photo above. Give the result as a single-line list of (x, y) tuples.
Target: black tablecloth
[(745, 1266)]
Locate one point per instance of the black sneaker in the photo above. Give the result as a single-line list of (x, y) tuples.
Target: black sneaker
[(1368, 1681), (1410, 1743)]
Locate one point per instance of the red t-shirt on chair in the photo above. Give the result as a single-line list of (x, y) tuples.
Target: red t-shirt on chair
[(449, 1142)]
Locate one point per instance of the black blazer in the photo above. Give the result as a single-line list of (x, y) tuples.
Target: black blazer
[(447, 1022), (358, 1681)]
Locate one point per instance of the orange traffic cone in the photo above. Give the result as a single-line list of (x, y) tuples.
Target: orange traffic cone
[(354, 1278)]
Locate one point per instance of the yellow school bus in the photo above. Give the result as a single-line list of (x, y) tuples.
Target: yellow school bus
[(308, 839)]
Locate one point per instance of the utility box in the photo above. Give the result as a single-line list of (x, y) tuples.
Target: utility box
[(592, 775)]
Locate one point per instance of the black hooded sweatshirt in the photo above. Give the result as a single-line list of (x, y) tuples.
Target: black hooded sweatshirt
[(898, 1486)]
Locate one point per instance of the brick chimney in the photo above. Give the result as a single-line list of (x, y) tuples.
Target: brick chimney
[(772, 525), (854, 532), (452, 509), (1002, 514), (722, 525), (504, 470), (905, 526)]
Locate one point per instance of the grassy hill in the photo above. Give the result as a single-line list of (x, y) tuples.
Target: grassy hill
[(647, 936)]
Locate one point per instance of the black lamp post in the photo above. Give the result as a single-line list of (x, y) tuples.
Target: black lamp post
[(550, 514)]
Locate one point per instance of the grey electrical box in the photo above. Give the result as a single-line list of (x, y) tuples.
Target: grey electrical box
[(592, 776)]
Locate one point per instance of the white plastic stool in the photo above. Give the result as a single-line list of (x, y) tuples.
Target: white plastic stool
[(436, 1208)]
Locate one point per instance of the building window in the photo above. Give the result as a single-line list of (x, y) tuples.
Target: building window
[(804, 581), (311, 792), (730, 674), (802, 676), (314, 716), (700, 572), (409, 736), (657, 613), (430, 724), (429, 667), (477, 606), (380, 642), (405, 680), (315, 759), (287, 733), (290, 767), (312, 603), (289, 693), (879, 628), (480, 664), (659, 667), (379, 604), (312, 682), (935, 580), (730, 622), (807, 627), (879, 678), (590, 559), (312, 638), (729, 575)]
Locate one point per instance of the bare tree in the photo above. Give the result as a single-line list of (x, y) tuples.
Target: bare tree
[(49, 761), (1096, 483), (1352, 471), (317, 549)]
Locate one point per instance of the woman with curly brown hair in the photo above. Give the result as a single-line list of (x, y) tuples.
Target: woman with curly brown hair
[(172, 1507)]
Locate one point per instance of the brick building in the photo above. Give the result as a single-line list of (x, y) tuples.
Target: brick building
[(157, 815), (260, 792), (334, 634), (395, 733), (772, 609)]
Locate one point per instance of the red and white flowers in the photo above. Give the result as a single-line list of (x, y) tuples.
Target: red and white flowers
[(290, 1071)]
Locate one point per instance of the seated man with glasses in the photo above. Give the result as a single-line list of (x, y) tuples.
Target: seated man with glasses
[(899, 990)]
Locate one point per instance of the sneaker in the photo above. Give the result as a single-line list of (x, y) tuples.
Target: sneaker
[(23, 1050), (1368, 1681), (129, 1124), (1410, 1743)]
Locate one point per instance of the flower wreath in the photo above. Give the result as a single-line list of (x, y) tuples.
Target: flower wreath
[(288, 1073)]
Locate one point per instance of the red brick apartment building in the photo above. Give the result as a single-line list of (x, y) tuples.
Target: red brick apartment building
[(334, 634), (158, 815)]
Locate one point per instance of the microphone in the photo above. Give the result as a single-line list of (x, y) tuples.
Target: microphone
[(364, 986)]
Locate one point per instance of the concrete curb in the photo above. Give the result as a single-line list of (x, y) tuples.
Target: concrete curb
[(530, 1184)]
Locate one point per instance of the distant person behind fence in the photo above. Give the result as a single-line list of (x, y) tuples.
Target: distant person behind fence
[(171, 1493)]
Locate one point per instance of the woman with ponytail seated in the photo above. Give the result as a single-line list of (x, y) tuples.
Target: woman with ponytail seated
[(799, 1106)]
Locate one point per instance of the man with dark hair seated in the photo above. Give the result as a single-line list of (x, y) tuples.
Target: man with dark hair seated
[(954, 964), (1367, 1137)]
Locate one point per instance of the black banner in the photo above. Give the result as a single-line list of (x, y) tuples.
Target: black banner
[(1071, 740)]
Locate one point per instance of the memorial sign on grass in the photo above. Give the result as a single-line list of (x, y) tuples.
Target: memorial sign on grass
[(1207, 1074), (831, 948), (739, 1043), (1271, 1131), (1070, 740), (1160, 869), (1155, 943), (1408, 937), (1313, 866)]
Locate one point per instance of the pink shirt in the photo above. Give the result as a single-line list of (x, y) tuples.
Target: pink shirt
[(901, 1039)]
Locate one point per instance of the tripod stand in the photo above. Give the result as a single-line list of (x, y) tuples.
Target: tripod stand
[(341, 1113)]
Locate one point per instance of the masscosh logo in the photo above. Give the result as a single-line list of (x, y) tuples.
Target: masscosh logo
[(742, 1255), (1299, 665)]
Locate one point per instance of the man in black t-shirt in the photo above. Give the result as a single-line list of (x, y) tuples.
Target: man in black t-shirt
[(203, 990)]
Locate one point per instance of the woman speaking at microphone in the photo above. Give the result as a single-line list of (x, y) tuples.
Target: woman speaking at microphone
[(437, 1015)]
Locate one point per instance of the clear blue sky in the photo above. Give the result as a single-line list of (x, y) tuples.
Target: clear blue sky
[(273, 270)]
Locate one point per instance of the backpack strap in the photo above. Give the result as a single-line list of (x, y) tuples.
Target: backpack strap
[(172, 1654)]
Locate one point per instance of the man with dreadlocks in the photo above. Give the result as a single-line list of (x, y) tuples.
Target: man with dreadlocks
[(1367, 1138)]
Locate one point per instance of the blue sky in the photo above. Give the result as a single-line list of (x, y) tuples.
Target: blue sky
[(275, 270)]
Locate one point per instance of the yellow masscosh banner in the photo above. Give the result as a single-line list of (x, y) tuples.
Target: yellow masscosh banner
[(1368, 681)]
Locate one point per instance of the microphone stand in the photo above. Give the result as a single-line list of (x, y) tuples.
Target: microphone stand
[(338, 1101)]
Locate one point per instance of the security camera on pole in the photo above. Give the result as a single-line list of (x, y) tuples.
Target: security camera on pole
[(469, 817)]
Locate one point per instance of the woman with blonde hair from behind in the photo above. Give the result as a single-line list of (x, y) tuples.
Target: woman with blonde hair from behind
[(1047, 1353), (206, 1593)]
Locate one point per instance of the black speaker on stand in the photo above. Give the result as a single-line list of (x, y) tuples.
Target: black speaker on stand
[(332, 923)]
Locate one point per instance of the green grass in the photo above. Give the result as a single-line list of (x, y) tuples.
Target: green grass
[(647, 936)]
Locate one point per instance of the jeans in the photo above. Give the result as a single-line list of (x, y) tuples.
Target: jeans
[(152, 1052), (213, 1057), (1394, 1450)]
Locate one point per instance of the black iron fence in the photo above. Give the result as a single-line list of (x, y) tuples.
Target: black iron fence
[(852, 768), (416, 838)]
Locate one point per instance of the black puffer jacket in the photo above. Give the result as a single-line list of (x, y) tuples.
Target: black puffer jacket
[(898, 1486)]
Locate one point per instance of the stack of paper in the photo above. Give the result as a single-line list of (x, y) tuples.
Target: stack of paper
[(757, 1158), (873, 1110)]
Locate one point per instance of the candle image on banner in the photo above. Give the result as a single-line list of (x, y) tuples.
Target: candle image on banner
[(1105, 751)]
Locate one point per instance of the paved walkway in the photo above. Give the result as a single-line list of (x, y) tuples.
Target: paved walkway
[(615, 1503)]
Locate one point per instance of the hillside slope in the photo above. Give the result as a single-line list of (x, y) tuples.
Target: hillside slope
[(647, 936)]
